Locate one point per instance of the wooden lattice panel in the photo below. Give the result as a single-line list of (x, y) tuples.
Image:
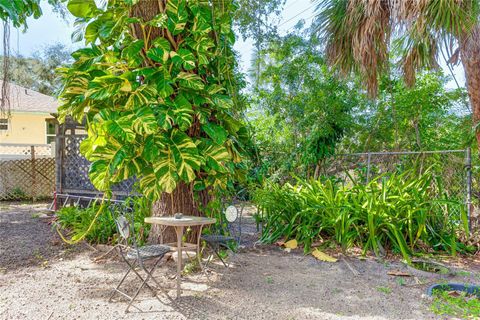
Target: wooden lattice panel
[(75, 166), (27, 178), (25, 150), (75, 169)]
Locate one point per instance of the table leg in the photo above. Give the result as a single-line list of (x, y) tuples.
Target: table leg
[(179, 231), (199, 258)]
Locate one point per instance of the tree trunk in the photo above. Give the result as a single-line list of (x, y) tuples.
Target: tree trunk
[(470, 55), (181, 200)]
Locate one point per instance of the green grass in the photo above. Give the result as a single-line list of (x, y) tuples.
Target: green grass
[(462, 273), (462, 306), (385, 290)]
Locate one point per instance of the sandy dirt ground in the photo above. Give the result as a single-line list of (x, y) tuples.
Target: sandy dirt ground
[(41, 278)]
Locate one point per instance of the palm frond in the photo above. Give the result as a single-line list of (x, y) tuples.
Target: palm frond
[(356, 34)]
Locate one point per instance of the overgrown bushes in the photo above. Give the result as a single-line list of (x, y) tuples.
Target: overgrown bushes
[(403, 212), (78, 222)]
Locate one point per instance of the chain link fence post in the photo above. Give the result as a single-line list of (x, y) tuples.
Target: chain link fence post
[(369, 158), (468, 166), (33, 172)]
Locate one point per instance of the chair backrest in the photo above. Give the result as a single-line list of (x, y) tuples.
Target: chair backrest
[(123, 227), (234, 222), (123, 215)]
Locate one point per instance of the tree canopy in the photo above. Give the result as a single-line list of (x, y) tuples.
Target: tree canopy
[(156, 85), (39, 71)]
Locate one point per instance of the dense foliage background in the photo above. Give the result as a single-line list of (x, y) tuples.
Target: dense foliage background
[(165, 102)]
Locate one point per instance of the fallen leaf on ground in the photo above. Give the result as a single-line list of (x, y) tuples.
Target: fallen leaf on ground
[(398, 273), (323, 256), (292, 244), (280, 243), (454, 293), (288, 250)]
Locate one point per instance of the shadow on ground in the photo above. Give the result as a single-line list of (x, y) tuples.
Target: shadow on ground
[(27, 239)]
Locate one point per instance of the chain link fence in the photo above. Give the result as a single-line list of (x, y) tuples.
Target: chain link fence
[(451, 170), (27, 172)]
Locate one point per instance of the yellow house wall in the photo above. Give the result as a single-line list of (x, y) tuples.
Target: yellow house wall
[(26, 128)]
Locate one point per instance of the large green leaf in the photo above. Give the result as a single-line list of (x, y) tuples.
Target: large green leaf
[(184, 57), (216, 132), (132, 53), (182, 112), (163, 83), (165, 116), (230, 123), (177, 16), (149, 184), (98, 174), (215, 155), (223, 101), (162, 43), (105, 87), (92, 31), (186, 155), (166, 171), (86, 57), (82, 8), (145, 121), (121, 129), (120, 156), (190, 80), (158, 54), (178, 159), (151, 150), (143, 95)]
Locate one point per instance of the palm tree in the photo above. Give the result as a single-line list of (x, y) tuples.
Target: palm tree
[(360, 35)]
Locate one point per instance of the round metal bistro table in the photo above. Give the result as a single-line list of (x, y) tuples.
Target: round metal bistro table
[(179, 224)]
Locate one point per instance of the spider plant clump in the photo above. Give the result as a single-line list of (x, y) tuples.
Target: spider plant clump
[(404, 212)]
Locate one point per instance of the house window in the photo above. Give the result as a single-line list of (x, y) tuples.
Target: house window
[(3, 124), (50, 132)]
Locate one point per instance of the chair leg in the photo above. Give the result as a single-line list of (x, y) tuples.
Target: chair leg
[(150, 275), (141, 278), (121, 282), (215, 250), (144, 282)]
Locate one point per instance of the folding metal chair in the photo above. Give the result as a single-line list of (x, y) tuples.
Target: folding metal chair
[(230, 238), (133, 255)]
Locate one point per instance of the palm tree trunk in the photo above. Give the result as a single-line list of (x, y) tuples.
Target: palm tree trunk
[(470, 55)]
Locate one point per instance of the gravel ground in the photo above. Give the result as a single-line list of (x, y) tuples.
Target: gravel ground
[(25, 237), (44, 279)]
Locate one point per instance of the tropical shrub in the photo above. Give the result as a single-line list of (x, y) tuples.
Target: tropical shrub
[(78, 222), (404, 212)]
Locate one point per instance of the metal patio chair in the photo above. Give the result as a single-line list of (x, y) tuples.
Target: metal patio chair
[(132, 254), (228, 237)]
